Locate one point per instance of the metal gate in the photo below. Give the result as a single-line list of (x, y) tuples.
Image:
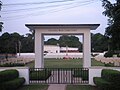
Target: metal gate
[(59, 75)]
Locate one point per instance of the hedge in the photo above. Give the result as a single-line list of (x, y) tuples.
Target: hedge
[(101, 83), (8, 75), (111, 75), (13, 84), (109, 80), (40, 75)]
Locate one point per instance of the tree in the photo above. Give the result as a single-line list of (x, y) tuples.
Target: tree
[(1, 23), (70, 41), (112, 11), (27, 43), (51, 41), (9, 43), (99, 42)]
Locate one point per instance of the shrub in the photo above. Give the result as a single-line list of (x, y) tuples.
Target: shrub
[(8, 75), (40, 75), (111, 75), (13, 84), (81, 73), (101, 83), (108, 76), (108, 54)]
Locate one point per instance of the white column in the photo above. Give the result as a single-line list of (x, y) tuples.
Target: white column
[(87, 49), (39, 63)]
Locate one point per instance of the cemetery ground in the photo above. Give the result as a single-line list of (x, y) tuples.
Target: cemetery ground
[(65, 63)]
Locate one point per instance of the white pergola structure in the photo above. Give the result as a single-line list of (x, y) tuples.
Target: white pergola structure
[(60, 29)]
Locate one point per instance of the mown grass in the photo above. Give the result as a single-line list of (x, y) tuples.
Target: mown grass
[(34, 87), (81, 87), (66, 63)]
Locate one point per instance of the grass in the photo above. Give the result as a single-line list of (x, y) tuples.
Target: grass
[(81, 87), (33, 87), (62, 63)]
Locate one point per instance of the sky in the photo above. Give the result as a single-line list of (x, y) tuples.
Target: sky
[(16, 13)]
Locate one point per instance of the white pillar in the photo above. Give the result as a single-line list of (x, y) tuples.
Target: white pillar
[(39, 63), (87, 49)]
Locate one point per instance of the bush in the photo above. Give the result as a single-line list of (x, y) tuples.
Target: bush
[(40, 75), (108, 54), (8, 75), (81, 73), (108, 76), (101, 83), (13, 84), (111, 75)]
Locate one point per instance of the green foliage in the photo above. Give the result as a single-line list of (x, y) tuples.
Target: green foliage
[(51, 41), (111, 75), (9, 43), (101, 83), (1, 26), (99, 42), (8, 75), (109, 80), (40, 75), (108, 54), (70, 41), (13, 84), (112, 11), (84, 74)]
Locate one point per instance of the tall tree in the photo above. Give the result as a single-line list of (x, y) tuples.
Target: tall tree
[(112, 11), (51, 41), (70, 41), (99, 42), (1, 23)]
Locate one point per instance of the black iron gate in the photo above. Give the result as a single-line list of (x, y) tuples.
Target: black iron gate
[(59, 75)]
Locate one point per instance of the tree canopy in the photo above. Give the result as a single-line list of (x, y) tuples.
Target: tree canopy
[(11, 43), (1, 23), (99, 42), (112, 11)]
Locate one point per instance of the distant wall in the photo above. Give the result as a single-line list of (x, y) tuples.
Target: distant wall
[(52, 55)]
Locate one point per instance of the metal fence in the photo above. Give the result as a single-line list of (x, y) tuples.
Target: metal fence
[(59, 75)]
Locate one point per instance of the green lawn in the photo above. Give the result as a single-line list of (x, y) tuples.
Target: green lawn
[(81, 87), (34, 87), (62, 63)]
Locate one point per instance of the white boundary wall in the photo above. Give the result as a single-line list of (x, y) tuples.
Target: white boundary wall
[(23, 72), (96, 72), (51, 55)]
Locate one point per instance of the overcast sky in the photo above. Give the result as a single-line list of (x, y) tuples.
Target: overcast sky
[(16, 15)]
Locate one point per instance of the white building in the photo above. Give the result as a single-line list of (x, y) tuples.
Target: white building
[(57, 49), (51, 48)]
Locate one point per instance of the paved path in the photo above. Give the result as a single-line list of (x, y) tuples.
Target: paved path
[(57, 87)]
